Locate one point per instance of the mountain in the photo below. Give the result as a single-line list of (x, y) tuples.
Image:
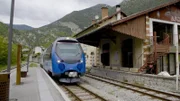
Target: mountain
[(22, 27), (70, 24), (4, 46), (3, 29), (76, 21), (130, 7), (79, 20), (17, 34)]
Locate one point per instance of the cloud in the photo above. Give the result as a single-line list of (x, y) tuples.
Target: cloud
[(37, 13)]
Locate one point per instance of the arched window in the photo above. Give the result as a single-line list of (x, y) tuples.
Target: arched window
[(92, 53)]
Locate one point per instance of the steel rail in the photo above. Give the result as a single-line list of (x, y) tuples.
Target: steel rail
[(154, 90), (84, 89), (111, 81), (76, 97), (97, 96)]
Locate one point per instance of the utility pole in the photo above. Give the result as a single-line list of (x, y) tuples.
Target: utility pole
[(10, 36)]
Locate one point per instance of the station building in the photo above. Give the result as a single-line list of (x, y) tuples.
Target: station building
[(142, 42), (91, 55)]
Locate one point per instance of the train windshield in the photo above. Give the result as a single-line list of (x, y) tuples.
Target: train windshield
[(68, 49)]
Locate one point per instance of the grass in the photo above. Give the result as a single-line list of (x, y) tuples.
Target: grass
[(111, 92), (138, 84), (88, 69), (124, 79), (33, 65), (3, 67)]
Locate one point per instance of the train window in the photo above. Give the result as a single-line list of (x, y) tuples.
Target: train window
[(47, 53), (68, 49)]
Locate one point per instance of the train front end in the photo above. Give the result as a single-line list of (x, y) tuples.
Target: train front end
[(68, 61)]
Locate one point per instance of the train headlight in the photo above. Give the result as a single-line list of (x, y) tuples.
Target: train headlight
[(72, 74), (67, 38), (58, 61), (81, 61)]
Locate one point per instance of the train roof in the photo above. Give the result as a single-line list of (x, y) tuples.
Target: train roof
[(66, 38)]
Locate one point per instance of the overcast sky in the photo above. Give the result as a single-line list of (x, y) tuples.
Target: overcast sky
[(37, 13)]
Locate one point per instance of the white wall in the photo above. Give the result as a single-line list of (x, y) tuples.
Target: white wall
[(37, 50), (90, 59)]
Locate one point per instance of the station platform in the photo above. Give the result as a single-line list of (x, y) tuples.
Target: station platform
[(36, 86)]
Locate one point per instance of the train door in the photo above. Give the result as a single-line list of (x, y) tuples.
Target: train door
[(105, 54), (127, 53)]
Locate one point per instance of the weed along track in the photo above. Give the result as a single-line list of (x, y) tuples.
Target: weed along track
[(153, 94), (78, 93)]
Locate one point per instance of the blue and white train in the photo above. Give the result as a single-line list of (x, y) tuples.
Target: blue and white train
[(65, 59)]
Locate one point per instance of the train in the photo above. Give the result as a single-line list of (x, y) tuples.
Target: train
[(64, 59)]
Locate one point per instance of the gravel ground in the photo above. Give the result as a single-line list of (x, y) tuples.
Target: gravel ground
[(120, 93)]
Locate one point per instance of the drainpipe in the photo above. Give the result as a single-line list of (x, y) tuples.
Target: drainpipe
[(177, 55)]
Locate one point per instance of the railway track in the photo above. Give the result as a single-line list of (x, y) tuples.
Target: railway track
[(79, 93), (155, 94)]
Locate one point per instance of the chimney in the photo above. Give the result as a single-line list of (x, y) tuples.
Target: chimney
[(118, 9), (104, 12)]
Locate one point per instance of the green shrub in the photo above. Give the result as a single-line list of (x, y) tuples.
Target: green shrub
[(4, 52)]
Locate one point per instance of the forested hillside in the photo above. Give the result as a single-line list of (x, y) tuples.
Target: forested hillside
[(134, 6), (22, 27), (4, 47), (3, 29), (77, 21), (70, 24)]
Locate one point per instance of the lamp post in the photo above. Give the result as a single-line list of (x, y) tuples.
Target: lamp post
[(10, 36)]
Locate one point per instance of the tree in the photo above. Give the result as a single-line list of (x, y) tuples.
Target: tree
[(4, 51)]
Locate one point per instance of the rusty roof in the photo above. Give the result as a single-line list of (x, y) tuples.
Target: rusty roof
[(103, 20)]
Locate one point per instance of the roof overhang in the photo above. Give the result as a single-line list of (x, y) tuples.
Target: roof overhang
[(93, 37)]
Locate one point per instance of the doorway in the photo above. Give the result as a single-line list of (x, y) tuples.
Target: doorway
[(161, 29), (105, 54), (127, 53)]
